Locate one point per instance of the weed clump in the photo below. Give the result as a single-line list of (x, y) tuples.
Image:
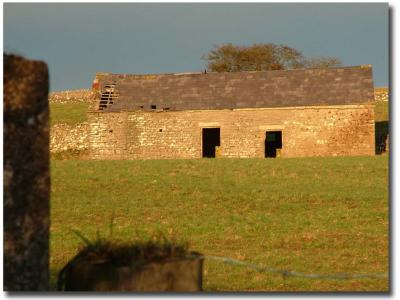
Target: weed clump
[(138, 252), (132, 254)]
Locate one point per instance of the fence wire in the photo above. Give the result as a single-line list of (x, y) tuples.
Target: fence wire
[(287, 273)]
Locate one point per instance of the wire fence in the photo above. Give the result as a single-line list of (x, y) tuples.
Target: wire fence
[(287, 273)]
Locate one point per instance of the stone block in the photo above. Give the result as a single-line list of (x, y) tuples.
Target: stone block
[(172, 275), (26, 175)]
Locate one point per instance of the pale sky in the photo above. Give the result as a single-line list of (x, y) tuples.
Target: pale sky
[(78, 40)]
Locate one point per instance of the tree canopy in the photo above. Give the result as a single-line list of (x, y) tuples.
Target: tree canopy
[(262, 57)]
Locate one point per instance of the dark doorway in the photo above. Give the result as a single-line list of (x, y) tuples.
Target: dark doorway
[(381, 137), (211, 139), (273, 142)]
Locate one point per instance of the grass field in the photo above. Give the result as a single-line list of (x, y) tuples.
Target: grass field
[(382, 111), (312, 215), (69, 113)]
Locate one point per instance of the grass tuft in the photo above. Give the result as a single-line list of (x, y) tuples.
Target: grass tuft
[(127, 253)]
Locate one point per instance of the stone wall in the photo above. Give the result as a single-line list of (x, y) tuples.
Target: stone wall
[(306, 131), (65, 137), (82, 95), (381, 94)]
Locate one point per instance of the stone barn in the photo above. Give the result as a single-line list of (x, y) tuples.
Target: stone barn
[(284, 113)]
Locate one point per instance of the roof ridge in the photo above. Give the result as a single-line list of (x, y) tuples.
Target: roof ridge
[(244, 72)]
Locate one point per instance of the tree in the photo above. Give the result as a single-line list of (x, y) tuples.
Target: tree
[(262, 57)]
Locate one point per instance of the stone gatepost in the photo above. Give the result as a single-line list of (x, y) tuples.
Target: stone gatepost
[(26, 175)]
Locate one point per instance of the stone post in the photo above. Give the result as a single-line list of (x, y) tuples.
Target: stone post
[(26, 175)]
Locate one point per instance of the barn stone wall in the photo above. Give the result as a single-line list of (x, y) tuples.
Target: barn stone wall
[(306, 131)]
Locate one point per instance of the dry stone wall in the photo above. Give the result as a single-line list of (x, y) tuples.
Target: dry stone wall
[(381, 94), (306, 131), (65, 137), (72, 96)]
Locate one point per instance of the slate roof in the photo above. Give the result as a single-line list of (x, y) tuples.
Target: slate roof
[(266, 89)]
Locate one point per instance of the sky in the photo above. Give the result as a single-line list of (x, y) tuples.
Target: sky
[(77, 40)]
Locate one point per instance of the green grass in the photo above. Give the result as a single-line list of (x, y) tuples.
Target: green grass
[(382, 111), (69, 113), (312, 215)]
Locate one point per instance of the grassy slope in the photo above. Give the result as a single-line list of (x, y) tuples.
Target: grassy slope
[(70, 113), (320, 215), (382, 111)]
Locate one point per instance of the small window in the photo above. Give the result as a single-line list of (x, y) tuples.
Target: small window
[(153, 106), (166, 108), (160, 130)]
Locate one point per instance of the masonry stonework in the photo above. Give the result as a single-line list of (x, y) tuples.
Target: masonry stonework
[(381, 94), (72, 96), (66, 137), (285, 113), (338, 130)]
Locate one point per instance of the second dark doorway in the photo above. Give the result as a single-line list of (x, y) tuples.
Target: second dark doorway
[(211, 139), (273, 142)]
